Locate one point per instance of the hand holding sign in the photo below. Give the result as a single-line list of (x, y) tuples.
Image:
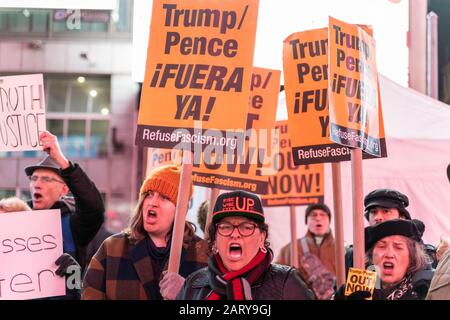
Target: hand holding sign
[(170, 285), (70, 270), (358, 282), (51, 146), (64, 262), (357, 295)]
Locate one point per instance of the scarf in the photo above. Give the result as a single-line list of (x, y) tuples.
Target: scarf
[(157, 253), (236, 285), (159, 257), (402, 291)]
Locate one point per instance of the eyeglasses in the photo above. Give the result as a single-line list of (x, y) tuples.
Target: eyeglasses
[(44, 179), (245, 229)]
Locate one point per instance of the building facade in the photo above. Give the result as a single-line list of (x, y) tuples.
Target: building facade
[(91, 100)]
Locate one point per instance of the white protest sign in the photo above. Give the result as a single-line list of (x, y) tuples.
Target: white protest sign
[(22, 112), (30, 243)]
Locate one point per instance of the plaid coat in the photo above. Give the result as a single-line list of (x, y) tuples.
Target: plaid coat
[(122, 269)]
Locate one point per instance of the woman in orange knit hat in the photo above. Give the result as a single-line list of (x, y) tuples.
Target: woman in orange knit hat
[(132, 264)]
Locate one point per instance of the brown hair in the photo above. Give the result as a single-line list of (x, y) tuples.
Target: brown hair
[(13, 204), (418, 258), (136, 229), (202, 213)]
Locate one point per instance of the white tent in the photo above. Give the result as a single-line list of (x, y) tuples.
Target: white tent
[(418, 146)]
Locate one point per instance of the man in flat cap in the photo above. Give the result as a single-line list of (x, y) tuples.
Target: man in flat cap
[(385, 204), (81, 215)]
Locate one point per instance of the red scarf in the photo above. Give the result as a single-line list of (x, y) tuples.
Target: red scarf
[(236, 285)]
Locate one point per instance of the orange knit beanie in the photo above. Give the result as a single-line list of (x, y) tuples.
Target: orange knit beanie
[(165, 180)]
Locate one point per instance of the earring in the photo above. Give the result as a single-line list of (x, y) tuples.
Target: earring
[(214, 249)]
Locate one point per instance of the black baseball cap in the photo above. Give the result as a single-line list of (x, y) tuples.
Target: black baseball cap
[(238, 203)]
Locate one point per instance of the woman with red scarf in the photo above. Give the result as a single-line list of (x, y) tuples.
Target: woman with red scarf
[(240, 267)]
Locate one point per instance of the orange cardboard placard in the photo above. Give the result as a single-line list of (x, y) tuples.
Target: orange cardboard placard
[(353, 87), (305, 67), (245, 167), (199, 63), (293, 185)]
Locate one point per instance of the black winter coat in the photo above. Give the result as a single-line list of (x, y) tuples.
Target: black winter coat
[(279, 282), (86, 209)]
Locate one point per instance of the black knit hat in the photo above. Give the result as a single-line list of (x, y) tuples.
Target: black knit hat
[(315, 206), (238, 203), (413, 229), (48, 163), (386, 198)]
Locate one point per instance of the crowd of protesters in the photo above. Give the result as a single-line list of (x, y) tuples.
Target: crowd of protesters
[(236, 261)]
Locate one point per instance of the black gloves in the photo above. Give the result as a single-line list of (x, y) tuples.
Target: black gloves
[(68, 267), (357, 295), (64, 262)]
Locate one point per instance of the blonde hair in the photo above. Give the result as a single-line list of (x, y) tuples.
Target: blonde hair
[(13, 204), (442, 247)]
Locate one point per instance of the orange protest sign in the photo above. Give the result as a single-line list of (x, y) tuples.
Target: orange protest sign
[(293, 185), (244, 166), (305, 68), (198, 70), (353, 87)]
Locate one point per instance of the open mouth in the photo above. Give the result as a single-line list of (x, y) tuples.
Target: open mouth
[(319, 225), (388, 267), (151, 216), (235, 250), (37, 196)]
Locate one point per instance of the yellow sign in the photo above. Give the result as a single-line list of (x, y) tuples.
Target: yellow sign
[(198, 70), (360, 280), (293, 185), (353, 87), (244, 167)]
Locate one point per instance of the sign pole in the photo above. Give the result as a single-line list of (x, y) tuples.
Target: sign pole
[(294, 249), (338, 224), (358, 209), (212, 202), (180, 213)]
